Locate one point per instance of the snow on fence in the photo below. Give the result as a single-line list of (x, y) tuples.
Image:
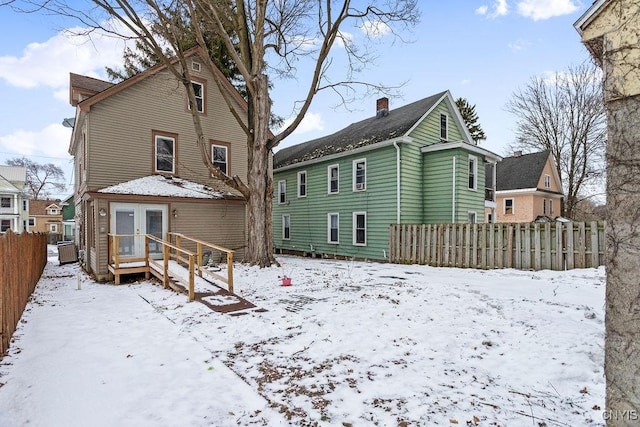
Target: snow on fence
[(22, 260), (534, 246)]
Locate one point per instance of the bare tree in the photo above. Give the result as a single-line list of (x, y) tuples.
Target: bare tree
[(285, 32), (565, 114), (42, 178)]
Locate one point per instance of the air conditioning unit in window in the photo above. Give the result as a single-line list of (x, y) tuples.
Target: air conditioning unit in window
[(359, 185)]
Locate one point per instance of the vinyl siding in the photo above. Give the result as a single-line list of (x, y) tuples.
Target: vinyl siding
[(120, 132), (469, 200), (411, 184), (438, 192), (428, 131), (221, 223), (308, 214), (437, 172)]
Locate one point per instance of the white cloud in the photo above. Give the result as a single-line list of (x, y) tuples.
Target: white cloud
[(482, 10), (375, 29), (465, 82), (48, 63), (545, 9), (51, 141), (344, 39), (518, 45), (311, 122), (498, 8), (501, 8)]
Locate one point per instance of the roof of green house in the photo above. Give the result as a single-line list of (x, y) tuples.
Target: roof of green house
[(381, 127), (518, 172)]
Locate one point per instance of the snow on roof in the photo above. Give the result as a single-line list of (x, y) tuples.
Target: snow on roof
[(157, 185)]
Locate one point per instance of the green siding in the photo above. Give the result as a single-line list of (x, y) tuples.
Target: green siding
[(438, 188), (308, 214), (411, 183), (428, 131), (437, 173), (426, 181)]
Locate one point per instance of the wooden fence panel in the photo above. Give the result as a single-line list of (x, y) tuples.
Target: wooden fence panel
[(555, 246), (23, 257)]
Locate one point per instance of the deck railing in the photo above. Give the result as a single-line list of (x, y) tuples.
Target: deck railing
[(179, 240), (160, 267), (156, 261)]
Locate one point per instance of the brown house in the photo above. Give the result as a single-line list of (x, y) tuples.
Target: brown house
[(45, 216), (527, 187), (138, 168)]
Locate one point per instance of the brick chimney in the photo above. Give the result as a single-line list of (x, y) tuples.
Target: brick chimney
[(517, 153), (382, 107)]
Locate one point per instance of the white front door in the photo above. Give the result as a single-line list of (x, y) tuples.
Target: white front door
[(132, 221)]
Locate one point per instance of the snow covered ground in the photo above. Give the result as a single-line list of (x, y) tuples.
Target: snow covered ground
[(349, 343)]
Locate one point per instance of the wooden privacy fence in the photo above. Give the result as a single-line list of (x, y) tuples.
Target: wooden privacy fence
[(22, 260), (534, 246)]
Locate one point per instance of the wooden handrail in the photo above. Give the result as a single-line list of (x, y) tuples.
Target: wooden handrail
[(174, 250)]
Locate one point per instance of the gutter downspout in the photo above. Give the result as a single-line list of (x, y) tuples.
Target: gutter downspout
[(395, 144), (453, 198)]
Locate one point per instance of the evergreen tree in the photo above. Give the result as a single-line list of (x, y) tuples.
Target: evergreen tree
[(470, 118)]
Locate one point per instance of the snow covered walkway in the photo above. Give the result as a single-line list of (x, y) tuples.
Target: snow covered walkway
[(102, 356)]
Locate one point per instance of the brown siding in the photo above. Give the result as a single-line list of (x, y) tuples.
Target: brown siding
[(121, 128), (221, 223)]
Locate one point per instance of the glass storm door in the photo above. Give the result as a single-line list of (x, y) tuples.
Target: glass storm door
[(132, 221)]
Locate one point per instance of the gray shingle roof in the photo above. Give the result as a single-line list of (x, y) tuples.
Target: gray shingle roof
[(514, 173), (369, 131), (88, 83)]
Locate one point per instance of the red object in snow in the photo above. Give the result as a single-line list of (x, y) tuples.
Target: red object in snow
[(286, 281)]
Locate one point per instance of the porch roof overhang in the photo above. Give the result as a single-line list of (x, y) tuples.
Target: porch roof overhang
[(440, 146), (172, 187)]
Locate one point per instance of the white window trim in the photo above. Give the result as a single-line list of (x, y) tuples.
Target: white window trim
[(173, 158), (193, 82), (329, 215), (550, 206), (29, 221), (475, 216), (475, 173), (547, 181), (196, 66), (226, 156), (288, 216), (337, 167), (544, 206), (10, 202), (513, 207), (280, 192), (355, 214), (364, 184), (53, 228), (306, 183), (446, 127)]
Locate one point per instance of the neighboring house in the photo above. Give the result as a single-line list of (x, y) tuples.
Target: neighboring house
[(45, 216), (138, 169), (528, 187), (337, 195), (68, 219), (14, 202)]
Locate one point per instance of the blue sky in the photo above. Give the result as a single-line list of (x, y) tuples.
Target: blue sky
[(482, 50)]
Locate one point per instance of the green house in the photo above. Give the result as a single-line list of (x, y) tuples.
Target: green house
[(337, 195)]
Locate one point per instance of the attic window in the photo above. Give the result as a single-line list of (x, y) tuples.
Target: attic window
[(444, 127), (196, 66)]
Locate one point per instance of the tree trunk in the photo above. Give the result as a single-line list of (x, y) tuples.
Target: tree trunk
[(259, 247), (622, 320)]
